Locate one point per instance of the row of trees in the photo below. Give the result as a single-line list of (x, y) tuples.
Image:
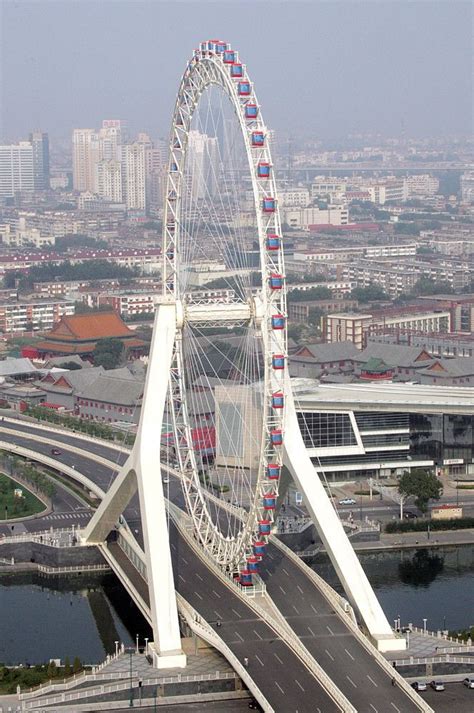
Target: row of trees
[(49, 272)]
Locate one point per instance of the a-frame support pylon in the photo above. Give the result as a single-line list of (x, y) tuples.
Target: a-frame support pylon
[(142, 470)]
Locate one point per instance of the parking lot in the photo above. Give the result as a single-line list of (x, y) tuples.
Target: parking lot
[(456, 697)]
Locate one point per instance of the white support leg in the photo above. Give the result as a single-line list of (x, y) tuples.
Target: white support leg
[(166, 648), (331, 531), (143, 470)]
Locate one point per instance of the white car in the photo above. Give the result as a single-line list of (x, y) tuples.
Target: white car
[(347, 501), (437, 685), (469, 682), (419, 686)]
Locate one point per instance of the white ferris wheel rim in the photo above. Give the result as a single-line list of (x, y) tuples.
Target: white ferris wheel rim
[(206, 68)]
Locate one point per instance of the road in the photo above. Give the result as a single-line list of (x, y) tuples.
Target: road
[(323, 632)]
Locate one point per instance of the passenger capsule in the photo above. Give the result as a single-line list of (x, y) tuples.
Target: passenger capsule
[(253, 563), (273, 242), (278, 321), (245, 578), (276, 281), (251, 111), (269, 205), (221, 47), (269, 501), (236, 71), (276, 437), (259, 548), (273, 471), (278, 400), (263, 170), (278, 362), (243, 88), (229, 57), (257, 139), (264, 527)]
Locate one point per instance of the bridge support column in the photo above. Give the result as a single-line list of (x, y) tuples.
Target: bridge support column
[(143, 470), (345, 561)]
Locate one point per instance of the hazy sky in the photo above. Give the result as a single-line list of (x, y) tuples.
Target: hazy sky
[(322, 68)]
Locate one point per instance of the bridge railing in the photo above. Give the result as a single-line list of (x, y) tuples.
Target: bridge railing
[(52, 538)]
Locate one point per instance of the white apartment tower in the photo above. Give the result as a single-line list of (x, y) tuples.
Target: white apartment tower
[(85, 156), (109, 180), (16, 169), (134, 175)]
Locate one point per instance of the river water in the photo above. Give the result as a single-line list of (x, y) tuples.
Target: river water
[(53, 617)]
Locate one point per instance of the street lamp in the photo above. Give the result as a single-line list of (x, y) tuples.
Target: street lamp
[(136, 646), (116, 648), (146, 646), (130, 652), (424, 625)]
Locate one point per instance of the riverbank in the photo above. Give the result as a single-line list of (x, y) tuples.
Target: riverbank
[(416, 540)]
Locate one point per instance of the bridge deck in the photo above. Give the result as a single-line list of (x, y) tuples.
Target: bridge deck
[(321, 630)]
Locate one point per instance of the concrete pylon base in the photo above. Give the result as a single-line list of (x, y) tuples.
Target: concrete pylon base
[(171, 659)]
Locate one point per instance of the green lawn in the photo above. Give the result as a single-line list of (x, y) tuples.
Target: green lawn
[(14, 507)]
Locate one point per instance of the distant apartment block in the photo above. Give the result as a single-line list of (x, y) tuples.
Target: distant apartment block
[(305, 217), (423, 184), (17, 174), (17, 317)]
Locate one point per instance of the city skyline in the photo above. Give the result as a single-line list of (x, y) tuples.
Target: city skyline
[(348, 67)]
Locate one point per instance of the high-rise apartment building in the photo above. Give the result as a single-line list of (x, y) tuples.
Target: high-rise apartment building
[(203, 165), (85, 156), (40, 143), (109, 183), (134, 175), (16, 169)]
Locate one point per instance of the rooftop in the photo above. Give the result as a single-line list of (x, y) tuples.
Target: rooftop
[(386, 397)]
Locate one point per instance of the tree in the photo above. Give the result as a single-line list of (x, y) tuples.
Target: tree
[(52, 671), (70, 365), (421, 483), (369, 293), (76, 665), (108, 353), (67, 666), (427, 286)]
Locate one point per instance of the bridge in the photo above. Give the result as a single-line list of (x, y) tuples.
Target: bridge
[(305, 650)]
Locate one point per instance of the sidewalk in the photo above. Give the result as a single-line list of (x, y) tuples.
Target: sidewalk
[(410, 540)]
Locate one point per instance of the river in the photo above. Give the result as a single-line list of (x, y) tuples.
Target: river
[(54, 617)]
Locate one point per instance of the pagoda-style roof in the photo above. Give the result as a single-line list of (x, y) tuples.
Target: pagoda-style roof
[(79, 334)]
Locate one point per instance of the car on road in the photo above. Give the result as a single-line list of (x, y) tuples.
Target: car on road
[(409, 515), (437, 685), (347, 501), (419, 686), (469, 682), (55, 452)]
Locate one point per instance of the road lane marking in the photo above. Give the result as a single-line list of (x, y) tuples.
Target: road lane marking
[(330, 630), (350, 680), (330, 656), (313, 608), (199, 577), (285, 572), (257, 634), (281, 689), (299, 684), (237, 613), (282, 589), (181, 578), (296, 610), (393, 704), (240, 637), (374, 708), (299, 589), (198, 595), (185, 561), (349, 654), (173, 546), (269, 555), (219, 616), (372, 681), (216, 594), (259, 660), (278, 659), (311, 631)]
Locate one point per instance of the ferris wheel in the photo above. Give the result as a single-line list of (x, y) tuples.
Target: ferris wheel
[(223, 268)]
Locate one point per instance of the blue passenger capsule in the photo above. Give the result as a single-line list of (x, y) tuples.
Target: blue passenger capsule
[(278, 400), (236, 71), (278, 321), (269, 501), (263, 170), (273, 242), (269, 205), (276, 281), (257, 139), (229, 57), (276, 437), (264, 527), (278, 362), (273, 471), (251, 111), (243, 88)]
